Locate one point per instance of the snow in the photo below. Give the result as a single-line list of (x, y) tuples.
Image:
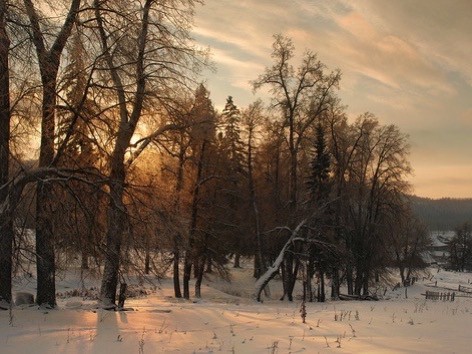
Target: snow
[(440, 238), (228, 319)]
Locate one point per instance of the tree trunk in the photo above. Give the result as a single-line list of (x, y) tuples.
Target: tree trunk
[(293, 279), (287, 275), (116, 215), (349, 279), (189, 254), (359, 280), (84, 264), (176, 274), (335, 285), (260, 265), (176, 237), (128, 121), (365, 283), (257, 266), (147, 261), (6, 223), (321, 294), (187, 274), (310, 272), (237, 261), (209, 263), (45, 253), (199, 266), (45, 262), (49, 61), (122, 296)]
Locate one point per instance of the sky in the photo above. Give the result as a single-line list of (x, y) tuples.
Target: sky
[(407, 61)]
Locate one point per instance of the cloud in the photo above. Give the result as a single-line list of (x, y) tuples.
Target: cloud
[(440, 29), (406, 61)]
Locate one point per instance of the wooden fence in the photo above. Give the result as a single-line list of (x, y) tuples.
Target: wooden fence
[(436, 295), (465, 289)]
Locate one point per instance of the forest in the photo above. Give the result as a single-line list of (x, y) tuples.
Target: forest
[(442, 214), (111, 149)]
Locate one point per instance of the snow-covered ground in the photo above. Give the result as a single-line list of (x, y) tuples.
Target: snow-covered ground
[(228, 320)]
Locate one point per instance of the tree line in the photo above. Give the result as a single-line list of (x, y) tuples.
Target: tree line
[(442, 214), (138, 171)]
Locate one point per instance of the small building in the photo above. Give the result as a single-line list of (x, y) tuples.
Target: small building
[(437, 252)]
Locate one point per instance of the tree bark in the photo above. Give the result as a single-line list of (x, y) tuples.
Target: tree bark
[(176, 273), (147, 261), (177, 237), (116, 216), (335, 284), (321, 294), (6, 223), (237, 261), (199, 267), (310, 272)]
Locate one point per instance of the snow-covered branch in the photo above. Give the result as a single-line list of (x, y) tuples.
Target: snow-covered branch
[(272, 271)]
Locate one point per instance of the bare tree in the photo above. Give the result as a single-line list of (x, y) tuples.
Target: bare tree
[(301, 95), (147, 54), (377, 182), (48, 61), (407, 239)]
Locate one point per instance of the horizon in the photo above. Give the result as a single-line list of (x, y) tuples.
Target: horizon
[(406, 62)]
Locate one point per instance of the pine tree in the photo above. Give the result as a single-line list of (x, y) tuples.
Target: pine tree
[(232, 148), (231, 120), (318, 183), (319, 188)]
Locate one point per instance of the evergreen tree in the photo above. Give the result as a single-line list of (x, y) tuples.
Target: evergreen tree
[(232, 148), (318, 183), (319, 189), (232, 142)]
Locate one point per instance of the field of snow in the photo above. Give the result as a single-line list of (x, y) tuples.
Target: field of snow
[(228, 320)]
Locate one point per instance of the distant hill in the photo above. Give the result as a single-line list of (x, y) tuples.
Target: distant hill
[(444, 213)]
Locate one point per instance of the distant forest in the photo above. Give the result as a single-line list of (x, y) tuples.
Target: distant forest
[(444, 213)]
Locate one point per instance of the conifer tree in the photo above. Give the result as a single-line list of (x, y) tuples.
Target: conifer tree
[(319, 188), (320, 168)]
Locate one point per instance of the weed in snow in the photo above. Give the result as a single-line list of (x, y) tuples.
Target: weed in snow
[(353, 331), (274, 347), (327, 344), (338, 340)]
